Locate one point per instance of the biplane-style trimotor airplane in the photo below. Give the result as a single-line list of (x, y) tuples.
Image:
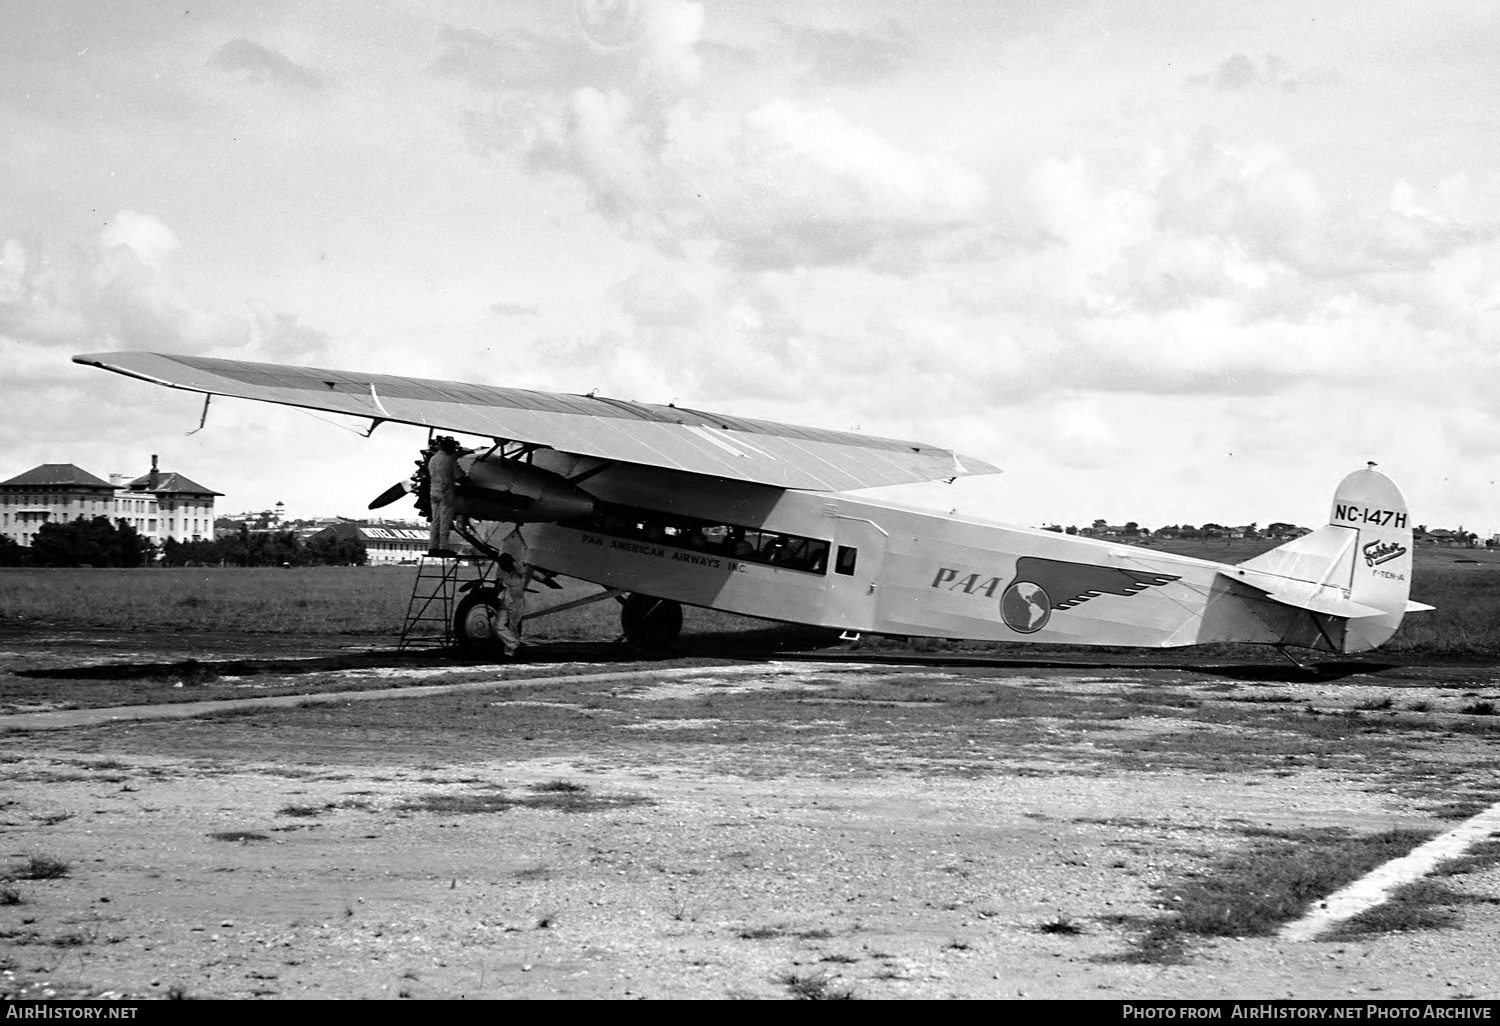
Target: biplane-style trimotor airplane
[(680, 507)]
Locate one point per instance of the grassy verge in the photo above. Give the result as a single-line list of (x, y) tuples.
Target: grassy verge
[(1419, 905), (1252, 893), (373, 600), (314, 600)]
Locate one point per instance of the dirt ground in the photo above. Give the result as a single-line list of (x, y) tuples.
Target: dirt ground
[(761, 828)]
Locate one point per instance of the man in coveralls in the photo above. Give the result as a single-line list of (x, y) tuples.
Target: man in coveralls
[(513, 570), (442, 473)]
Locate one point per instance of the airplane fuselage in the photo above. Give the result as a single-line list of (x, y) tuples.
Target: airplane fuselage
[(845, 561)]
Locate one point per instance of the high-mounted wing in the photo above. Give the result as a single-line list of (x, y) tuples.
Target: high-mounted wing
[(782, 455)]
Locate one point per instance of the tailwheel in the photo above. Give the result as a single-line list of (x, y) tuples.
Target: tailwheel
[(650, 624), (476, 624)]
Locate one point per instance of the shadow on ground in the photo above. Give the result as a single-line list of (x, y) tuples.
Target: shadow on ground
[(772, 641)]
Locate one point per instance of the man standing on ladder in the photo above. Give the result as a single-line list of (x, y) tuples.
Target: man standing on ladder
[(442, 473)]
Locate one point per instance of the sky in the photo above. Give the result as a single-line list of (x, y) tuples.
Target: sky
[(1165, 261)]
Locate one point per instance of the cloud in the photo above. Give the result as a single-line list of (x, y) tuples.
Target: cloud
[(1238, 72), (261, 64), (38, 297), (117, 292), (783, 185), (146, 237), (662, 62), (283, 338), (1199, 269), (1202, 220), (839, 57), (808, 187), (779, 184), (503, 309), (523, 61), (808, 268)]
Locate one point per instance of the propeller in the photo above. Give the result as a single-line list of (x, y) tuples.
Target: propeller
[(390, 495)]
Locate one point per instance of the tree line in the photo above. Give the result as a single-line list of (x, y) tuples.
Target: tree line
[(98, 542), (1130, 529)]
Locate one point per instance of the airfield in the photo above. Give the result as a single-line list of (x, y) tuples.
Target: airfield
[(803, 822)]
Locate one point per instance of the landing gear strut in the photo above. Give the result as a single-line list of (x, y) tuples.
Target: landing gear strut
[(650, 624)]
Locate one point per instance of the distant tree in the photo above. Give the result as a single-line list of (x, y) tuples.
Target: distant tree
[(334, 551), (202, 553), (133, 550), (12, 552), (1053, 527), (234, 549), (266, 548), (94, 542), (1132, 528), (190, 553), (1071, 530)]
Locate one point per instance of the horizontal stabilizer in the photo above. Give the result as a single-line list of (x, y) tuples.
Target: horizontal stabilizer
[(1316, 598), (1418, 607)]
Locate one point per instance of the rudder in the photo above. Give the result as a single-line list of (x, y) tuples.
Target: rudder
[(1371, 503), (1365, 550)]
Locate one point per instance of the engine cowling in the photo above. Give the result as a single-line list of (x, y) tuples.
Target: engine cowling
[(509, 491)]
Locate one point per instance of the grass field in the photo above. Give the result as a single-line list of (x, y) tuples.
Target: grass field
[(268, 600), (1464, 585)]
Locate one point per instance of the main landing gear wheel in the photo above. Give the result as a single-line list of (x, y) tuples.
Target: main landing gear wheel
[(476, 624), (650, 624)]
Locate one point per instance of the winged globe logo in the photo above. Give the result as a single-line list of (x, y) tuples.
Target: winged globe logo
[(1044, 585), (1025, 607)]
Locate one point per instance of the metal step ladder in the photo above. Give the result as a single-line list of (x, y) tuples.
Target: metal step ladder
[(434, 595)]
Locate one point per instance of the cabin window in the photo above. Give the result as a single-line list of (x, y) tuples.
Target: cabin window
[(847, 556), (731, 541)]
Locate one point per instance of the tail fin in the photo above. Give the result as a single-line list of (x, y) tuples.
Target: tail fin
[(1365, 551)]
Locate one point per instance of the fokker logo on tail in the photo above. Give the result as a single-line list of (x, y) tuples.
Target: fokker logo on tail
[(1042, 585), (1382, 552)]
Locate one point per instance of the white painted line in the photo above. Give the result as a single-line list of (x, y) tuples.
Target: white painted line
[(1375, 887), (63, 718)]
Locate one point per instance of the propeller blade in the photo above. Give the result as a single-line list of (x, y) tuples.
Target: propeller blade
[(390, 495)]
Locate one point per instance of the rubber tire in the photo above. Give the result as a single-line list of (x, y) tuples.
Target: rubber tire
[(650, 624), (474, 623)]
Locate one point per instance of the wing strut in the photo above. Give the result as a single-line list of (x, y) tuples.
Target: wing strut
[(580, 478), (207, 397)]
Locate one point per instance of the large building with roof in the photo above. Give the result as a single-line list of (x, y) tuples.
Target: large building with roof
[(159, 504), (385, 544)]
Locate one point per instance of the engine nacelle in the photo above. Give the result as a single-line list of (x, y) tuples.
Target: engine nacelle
[(517, 493)]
